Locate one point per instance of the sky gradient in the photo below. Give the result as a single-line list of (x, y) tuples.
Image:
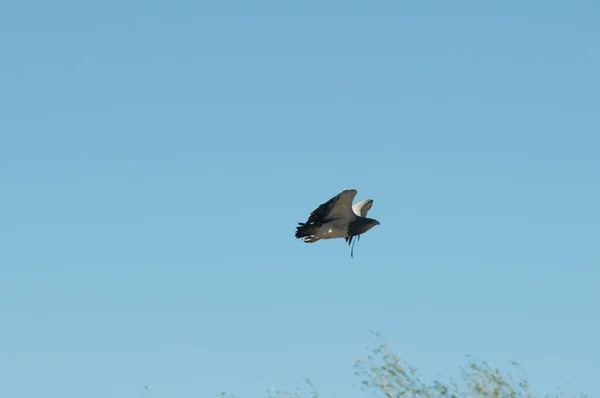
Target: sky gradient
[(155, 159)]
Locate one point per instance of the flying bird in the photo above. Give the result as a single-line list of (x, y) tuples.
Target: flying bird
[(338, 218)]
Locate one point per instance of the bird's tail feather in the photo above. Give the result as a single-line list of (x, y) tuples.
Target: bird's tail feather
[(303, 230)]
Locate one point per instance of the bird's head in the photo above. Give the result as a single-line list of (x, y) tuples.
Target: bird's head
[(370, 223), (359, 227)]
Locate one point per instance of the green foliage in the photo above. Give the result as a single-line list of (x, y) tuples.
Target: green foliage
[(383, 374)]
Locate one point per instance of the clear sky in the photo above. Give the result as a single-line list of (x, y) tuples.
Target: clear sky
[(155, 158)]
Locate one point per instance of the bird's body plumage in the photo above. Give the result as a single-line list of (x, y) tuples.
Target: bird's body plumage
[(337, 218)]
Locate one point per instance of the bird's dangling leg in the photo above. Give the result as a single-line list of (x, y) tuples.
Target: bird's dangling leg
[(353, 243), (310, 239)]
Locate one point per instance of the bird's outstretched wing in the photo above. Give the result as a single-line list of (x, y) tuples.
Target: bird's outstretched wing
[(362, 208), (340, 206)]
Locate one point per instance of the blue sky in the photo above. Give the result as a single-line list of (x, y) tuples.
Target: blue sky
[(155, 158)]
